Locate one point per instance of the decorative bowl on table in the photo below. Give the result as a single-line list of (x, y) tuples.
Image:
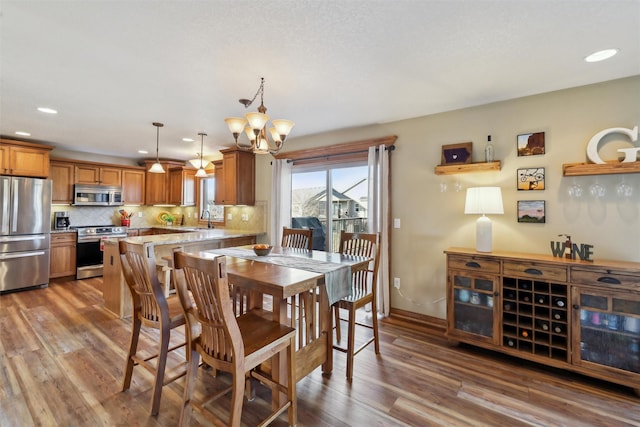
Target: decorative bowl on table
[(262, 249)]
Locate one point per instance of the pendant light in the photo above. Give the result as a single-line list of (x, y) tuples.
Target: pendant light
[(201, 172), (157, 167)]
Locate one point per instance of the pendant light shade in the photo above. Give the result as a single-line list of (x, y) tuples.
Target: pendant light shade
[(201, 173), (157, 167)]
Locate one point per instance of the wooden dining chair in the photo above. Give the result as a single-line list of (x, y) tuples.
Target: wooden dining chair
[(299, 238), (363, 292), (228, 343), (151, 308)]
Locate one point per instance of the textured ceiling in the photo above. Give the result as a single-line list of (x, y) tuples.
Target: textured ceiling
[(111, 68)]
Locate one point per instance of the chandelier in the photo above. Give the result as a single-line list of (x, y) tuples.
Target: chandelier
[(255, 127), (200, 163)]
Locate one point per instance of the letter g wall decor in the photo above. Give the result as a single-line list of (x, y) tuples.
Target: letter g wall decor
[(630, 154)]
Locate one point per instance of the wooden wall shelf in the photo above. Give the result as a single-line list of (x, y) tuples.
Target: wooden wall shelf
[(579, 169), (467, 167)]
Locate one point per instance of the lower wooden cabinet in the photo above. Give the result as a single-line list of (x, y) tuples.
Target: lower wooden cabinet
[(575, 315), (63, 255)]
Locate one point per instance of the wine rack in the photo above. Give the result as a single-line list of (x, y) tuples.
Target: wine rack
[(534, 317), (569, 314)]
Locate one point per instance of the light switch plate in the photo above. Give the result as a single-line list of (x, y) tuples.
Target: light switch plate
[(396, 223), (229, 217)]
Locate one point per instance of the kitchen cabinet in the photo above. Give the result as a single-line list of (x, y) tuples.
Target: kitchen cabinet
[(62, 177), (62, 255), (19, 158), (182, 186), (570, 314), (219, 177), (99, 175), (157, 184), (237, 177), (133, 186)]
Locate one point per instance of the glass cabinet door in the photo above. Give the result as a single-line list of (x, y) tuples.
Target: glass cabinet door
[(472, 305), (609, 330)]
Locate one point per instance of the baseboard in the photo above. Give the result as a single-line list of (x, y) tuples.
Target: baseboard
[(418, 321)]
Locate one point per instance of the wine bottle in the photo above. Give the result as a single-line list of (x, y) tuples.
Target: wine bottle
[(542, 299), (557, 329), (510, 342), (560, 302), (543, 325), (488, 150)]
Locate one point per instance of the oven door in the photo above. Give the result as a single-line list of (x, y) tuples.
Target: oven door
[(88, 258)]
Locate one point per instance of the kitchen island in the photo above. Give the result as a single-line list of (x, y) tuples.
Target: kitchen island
[(115, 292)]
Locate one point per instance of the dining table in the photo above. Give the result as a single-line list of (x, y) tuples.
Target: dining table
[(301, 286)]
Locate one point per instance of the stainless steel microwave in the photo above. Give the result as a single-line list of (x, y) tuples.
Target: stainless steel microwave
[(97, 195)]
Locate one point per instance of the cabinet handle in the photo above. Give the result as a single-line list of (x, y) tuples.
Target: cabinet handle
[(610, 280), (496, 293), (533, 271), (576, 306), (472, 264)]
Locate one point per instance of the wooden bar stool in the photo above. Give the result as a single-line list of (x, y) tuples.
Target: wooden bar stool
[(151, 308), (363, 292), (232, 344)]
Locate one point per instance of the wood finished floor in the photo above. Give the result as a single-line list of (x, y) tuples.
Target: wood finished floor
[(62, 354)]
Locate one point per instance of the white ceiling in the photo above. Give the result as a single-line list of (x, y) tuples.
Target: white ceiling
[(111, 68)]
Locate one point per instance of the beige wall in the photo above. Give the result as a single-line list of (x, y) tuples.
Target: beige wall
[(433, 220)]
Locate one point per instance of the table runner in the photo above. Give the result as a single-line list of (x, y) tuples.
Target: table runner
[(337, 277)]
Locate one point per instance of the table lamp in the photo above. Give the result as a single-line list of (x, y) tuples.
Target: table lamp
[(482, 201)]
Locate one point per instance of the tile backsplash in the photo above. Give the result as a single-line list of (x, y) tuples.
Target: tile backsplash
[(251, 218)]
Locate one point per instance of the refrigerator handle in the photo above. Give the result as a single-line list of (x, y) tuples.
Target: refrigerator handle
[(20, 255), (14, 217), (4, 215)]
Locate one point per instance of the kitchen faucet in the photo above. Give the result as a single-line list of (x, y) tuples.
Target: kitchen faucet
[(209, 225)]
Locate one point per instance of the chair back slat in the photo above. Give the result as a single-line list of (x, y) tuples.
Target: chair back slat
[(367, 245), (298, 238), (206, 279), (139, 270)]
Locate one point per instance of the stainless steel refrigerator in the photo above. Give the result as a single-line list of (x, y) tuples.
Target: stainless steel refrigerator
[(25, 216)]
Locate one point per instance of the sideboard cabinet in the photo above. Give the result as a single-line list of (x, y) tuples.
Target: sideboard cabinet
[(576, 315)]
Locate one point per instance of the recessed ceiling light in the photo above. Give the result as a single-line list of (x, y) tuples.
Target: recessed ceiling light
[(47, 110), (143, 152), (21, 133), (188, 139), (601, 55)]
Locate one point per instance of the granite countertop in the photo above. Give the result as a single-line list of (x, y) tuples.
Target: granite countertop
[(191, 236)]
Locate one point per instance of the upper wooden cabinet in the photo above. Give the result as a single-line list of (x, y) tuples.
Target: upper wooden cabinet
[(182, 186), (237, 177), (61, 173), (157, 185), (100, 175), (219, 176), (21, 158), (133, 186)]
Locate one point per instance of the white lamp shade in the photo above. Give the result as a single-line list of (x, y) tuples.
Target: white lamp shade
[(199, 163), (283, 127), (274, 135), (483, 200), (249, 132), (201, 173), (156, 168), (235, 124), (257, 120)]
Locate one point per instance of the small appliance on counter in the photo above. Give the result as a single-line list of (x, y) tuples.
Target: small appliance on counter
[(61, 220)]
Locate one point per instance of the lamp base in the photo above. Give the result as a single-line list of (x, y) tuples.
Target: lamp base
[(483, 234)]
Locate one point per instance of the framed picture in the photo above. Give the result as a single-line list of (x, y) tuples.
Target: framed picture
[(530, 179), (531, 211), (531, 144), (456, 153)]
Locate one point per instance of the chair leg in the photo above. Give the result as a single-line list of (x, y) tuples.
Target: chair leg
[(163, 349), (336, 311), (374, 320), (189, 386), (291, 384), (237, 397), (133, 348), (351, 342)]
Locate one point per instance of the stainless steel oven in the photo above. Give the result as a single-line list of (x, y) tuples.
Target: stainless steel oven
[(90, 248)]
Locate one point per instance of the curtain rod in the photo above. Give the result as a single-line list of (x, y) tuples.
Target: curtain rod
[(331, 156)]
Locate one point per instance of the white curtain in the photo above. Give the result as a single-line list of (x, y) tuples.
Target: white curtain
[(280, 199), (378, 218)]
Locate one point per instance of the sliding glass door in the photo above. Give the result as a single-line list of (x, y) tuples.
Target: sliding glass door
[(330, 199)]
